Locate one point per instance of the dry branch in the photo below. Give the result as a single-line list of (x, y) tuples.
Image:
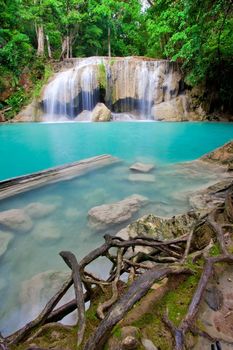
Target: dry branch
[(71, 261)]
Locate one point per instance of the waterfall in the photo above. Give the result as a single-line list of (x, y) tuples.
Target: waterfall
[(126, 85)]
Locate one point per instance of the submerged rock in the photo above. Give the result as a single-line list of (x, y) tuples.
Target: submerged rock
[(115, 213), (46, 230), (5, 239), (16, 220), (101, 113), (39, 210), (142, 177), (142, 167), (37, 291)]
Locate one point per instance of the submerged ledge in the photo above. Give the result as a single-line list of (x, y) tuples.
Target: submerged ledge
[(68, 171)]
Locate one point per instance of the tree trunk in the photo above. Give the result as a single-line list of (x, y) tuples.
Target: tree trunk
[(67, 46), (49, 47), (40, 40), (109, 42)]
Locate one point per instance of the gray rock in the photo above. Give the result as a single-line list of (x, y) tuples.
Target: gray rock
[(142, 177), (148, 345), (142, 167), (39, 210), (85, 116), (130, 343), (16, 220), (101, 113), (214, 298), (115, 213), (5, 239)]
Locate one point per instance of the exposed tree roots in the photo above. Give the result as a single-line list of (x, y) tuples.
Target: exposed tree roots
[(168, 257)]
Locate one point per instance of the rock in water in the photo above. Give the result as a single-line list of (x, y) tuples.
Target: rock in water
[(115, 213), (16, 220), (142, 167), (37, 291), (39, 210), (142, 177), (101, 113), (5, 239)]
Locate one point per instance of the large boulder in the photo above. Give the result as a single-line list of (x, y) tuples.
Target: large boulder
[(101, 113), (115, 213), (5, 239), (16, 220), (172, 110)]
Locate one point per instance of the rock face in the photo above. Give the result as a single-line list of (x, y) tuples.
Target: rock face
[(222, 155), (31, 113), (101, 113), (16, 220), (115, 213), (176, 109), (5, 239)]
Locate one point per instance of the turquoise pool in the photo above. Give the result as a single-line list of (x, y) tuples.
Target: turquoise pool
[(28, 148)]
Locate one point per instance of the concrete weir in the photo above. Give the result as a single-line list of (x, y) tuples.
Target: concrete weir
[(68, 171)]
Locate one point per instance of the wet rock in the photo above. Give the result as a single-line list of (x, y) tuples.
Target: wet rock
[(85, 116), (148, 344), (39, 210), (31, 113), (214, 298), (222, 155), (46, 230), (72, 214), (115, 213), (158, 227), (142, 167), (5, 239), (209, 198), (175, 109), (130, 343), (16, 220), (101, 113), (37, 291), (142, 177)]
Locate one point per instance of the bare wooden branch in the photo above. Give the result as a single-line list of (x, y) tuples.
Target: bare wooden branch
[(71, 261), (107, 304)]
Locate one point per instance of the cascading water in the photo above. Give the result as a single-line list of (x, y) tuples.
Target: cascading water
[(130, 85)]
